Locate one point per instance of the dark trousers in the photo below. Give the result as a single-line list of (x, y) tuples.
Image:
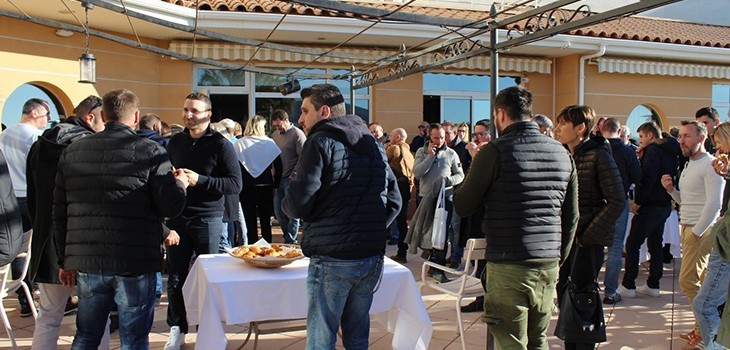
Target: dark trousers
[(402, 219), (258, 202), (647, 225), (585, 272), (201, 235), (16, 266), (439, 255)]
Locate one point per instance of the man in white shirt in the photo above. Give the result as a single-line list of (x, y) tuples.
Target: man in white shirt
[(700, 199), (15, 143)]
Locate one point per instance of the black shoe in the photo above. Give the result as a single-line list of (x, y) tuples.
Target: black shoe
[(475, 306), (440, 277), (25, 310), (398, 258), (668, 258), (393, 242), (454, 264), (612, 298)]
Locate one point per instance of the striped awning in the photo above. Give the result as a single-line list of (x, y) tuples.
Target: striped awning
[(236, 52), (616, 65)]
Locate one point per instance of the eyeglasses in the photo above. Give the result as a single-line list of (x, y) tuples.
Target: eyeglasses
[(421, 127), (484, 133), (194, 111), (461, 131)]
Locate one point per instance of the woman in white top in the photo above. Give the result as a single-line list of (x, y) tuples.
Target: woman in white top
[(261, 168)]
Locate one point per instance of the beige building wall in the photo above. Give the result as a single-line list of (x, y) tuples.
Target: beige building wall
[(398, 104), (33, 54), (567, 71), (674, 98)]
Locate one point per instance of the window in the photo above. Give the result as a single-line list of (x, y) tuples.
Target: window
[(220, 77), (458, 97), (229, 91), (721, 100), (268, 97)]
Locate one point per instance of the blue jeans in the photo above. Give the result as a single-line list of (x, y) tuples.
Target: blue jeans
[(340, 292), (614, 262), (135, 300), (647, 225), (457, 251), (289, 226), (711, 295), (201, 235)]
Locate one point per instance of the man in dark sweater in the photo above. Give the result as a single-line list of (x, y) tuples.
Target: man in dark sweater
[(652, 206), (628, 166), (211, 164), (346, 194), (113, 189), (529, 221)]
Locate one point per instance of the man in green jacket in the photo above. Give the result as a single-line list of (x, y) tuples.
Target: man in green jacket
[(527, 184)]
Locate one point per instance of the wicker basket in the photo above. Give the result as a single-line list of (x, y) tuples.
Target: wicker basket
[(268, 262)]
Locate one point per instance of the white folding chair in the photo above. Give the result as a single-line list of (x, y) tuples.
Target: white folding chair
[(465, 285), (8, 286)]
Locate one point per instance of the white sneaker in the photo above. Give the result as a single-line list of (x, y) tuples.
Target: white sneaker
[(176, 340), (626, 293), (644, 289)]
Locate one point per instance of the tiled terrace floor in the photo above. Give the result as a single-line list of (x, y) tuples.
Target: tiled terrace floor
[(642, 323)]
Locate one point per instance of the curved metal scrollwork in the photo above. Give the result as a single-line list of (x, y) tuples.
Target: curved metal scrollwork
[(366, 78), (550, 19), (456, 49)]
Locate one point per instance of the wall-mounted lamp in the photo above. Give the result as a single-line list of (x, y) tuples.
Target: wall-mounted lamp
[(289, 87), (87, 61)]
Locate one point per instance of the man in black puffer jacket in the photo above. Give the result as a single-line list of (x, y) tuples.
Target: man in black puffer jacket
[(346, 194), (527, 185), (113, 189), (41, 174)]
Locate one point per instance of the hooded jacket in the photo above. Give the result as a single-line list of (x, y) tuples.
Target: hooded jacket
[(343, 190), (659, 158), (42, 168), (601, 196)]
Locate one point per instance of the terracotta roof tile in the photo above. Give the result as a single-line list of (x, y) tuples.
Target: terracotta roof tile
[(630, 28)]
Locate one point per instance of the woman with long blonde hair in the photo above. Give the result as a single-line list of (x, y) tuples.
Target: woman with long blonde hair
[(261, 169)]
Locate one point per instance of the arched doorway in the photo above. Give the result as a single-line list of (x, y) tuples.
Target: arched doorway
[(640, 115), (13, 107)]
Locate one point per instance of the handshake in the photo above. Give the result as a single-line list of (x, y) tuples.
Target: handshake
[(186, 176)]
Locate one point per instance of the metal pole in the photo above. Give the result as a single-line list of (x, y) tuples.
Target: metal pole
[(352, 90), (494, 85)]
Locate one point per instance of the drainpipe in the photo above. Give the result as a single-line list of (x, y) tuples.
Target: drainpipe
[(582, 73)]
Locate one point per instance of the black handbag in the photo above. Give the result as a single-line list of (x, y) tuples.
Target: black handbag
[(581, 313)]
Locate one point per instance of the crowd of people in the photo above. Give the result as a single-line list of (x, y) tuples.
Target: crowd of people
[(111, 197)]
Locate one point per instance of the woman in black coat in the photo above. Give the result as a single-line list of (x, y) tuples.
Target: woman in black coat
[(600, 199)]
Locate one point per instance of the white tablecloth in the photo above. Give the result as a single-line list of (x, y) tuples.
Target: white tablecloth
[(671, 236), (224, 289)]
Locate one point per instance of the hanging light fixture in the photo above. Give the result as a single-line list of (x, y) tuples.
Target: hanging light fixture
[(87, 61)]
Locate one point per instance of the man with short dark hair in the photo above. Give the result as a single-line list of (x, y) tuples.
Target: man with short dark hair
[(41, 170), (377, 131), (346, 194), (651, 207), (630, 169), (112, 238), (150, 126), (526, 242), (711, 118), (211, 164), (290, 140)]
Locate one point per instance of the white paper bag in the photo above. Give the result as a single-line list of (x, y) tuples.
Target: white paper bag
[(438, 231)]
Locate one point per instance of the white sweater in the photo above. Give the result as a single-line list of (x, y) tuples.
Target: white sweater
[(15, 143), (701, 195)]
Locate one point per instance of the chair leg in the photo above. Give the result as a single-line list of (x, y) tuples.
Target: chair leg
[(460, 325), (6, 322), (31, 302)]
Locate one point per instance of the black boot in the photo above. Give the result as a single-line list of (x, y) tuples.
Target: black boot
[(25, 310), (475, 306)]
